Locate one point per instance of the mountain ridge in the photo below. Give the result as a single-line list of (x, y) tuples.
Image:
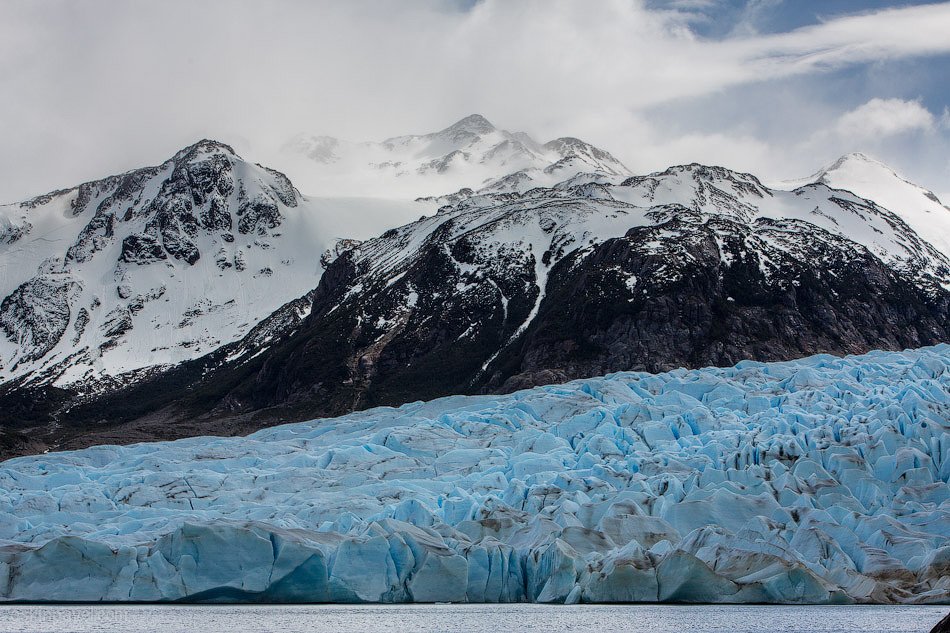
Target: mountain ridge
[(692, 266), (872, 179), (470, 153)]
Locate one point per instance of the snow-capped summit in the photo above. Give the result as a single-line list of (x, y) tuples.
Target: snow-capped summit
[(474, 124), (471, 153), (155, 266), (872, 179), (570, 147)]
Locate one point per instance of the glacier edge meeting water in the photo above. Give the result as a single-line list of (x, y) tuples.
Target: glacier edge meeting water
[(821, 480)]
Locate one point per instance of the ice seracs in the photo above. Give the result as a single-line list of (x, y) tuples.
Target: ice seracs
[(820, 480)]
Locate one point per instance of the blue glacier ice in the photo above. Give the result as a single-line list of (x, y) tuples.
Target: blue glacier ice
[(822, 480)]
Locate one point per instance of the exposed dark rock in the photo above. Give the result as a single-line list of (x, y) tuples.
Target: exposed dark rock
[(36, 314), (141, 249), (258, 215), (117, 323), (943, 626)]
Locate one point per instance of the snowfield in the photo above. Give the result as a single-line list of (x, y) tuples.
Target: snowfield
[(812, 481)]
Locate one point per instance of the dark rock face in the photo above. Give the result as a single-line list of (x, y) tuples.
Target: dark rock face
[(141, 249), (36, 314), (685, 309), (13, 443), (592, 322), (943, 626), (258, 215)]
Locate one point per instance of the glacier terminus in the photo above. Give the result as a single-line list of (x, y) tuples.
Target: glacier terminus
[(821, 480)]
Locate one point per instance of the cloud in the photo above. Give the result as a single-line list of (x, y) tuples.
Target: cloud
[(884, 117), (109, 85), (882, 35)]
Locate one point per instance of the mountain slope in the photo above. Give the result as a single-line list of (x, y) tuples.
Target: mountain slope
[(692, 266), (871, 179), (154, 267), (468, 154), (565, 284)]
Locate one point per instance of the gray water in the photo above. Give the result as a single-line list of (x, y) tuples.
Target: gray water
[(481, 617)]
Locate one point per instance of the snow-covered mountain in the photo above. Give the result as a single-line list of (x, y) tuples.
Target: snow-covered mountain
[(197, 289), (871, 179), (471, 153), (159, 265), (692, 266)]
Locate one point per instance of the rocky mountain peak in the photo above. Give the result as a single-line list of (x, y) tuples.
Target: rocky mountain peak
[(203, 148), (568, 146), (149, 267), (699, 182), (555, 272), (473, 123)]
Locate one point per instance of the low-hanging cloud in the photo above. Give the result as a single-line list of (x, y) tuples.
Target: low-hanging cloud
[(885, 117), (98, 87)]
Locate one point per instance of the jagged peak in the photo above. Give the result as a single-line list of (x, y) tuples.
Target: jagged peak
[(474, 123), (702, 171), (204, 146), (568, 141), (568, 146)]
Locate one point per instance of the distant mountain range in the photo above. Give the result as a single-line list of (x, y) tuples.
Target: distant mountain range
[(471, 154), (207, 295)]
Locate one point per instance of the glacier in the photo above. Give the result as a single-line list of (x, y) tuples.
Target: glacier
[(820, 480)]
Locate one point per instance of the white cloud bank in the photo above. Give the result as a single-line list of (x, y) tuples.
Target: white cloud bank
[(96, 87), (885, 117)]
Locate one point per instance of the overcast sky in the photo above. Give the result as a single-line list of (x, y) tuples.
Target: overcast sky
[(90, 88)]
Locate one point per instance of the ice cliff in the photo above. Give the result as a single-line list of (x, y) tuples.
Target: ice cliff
[(819, 480)]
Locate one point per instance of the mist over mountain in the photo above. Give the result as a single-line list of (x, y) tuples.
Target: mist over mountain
[(471, 153)]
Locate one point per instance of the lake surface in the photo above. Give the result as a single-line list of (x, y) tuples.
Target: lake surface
[(480, 617)]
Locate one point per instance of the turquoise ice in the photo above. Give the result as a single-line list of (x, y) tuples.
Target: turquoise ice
[(814, 481)]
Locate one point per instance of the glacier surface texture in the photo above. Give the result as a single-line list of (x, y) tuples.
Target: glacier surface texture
[(813, 481)]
